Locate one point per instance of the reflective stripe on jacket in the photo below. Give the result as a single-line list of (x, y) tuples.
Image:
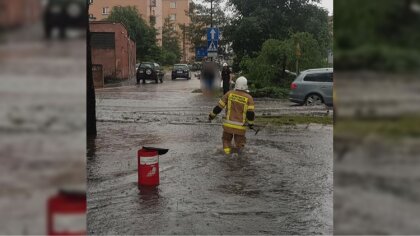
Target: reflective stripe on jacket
[(237, 103)]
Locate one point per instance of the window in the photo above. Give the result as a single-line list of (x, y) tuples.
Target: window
[(153, 3), (319, 77), (103, 40), (172, 17), (173, 5), (105, 11)]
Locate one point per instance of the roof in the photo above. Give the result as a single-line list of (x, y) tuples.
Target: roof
[(110, 22)]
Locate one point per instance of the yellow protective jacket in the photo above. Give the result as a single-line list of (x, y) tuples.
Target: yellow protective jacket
[(240, 108)]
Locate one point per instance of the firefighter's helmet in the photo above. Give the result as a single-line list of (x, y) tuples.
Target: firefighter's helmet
[(241, 84)]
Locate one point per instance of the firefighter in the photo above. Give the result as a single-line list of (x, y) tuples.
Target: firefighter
[(225, 78), (239, 106)]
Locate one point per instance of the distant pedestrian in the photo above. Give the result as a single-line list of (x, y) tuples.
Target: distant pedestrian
[(208, 74), (226, 78)]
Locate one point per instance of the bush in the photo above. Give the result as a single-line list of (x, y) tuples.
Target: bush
[(168, 58), (270, 92), (374, 57), (266, 69)]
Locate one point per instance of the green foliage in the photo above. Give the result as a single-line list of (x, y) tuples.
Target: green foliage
[(171, 51), (259, 21), (168, 57), (266, 69), (377, 57), (396, 127), (272, 92), (199, 14), (293, 120), (376, 34), (143, 34)]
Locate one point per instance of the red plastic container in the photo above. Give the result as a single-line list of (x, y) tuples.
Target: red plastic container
[(66, 214), (148, 167)]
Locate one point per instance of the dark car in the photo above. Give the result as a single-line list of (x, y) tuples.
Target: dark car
[(64, 14), (149, 71), (196, 66), (181, 71)]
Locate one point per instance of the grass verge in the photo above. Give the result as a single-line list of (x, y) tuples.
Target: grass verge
[(399, 127), (270, 92), (293, 120)]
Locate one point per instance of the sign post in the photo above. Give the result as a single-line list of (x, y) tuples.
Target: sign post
[(212, 42), (200, 52)]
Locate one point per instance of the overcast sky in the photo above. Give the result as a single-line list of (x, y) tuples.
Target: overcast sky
[(328, 4)]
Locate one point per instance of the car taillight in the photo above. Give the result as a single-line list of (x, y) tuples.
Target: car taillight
[(293, 86)]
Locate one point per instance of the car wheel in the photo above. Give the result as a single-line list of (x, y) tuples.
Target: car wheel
[(62, 32), (313, 100), (48, 30), (161, 80)]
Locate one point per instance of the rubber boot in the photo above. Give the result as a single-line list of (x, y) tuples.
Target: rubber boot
[(227, 150)]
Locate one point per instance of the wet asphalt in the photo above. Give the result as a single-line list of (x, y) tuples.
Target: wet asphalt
[(281, 184), (42, 124)]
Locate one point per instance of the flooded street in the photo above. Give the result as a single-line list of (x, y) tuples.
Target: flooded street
[(42, 125), (282, 184), (376, 176)]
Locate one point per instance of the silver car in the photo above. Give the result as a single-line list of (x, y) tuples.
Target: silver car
[(313, 87)]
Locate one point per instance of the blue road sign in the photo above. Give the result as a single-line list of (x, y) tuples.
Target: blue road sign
[(200, 52), (212, 46), (212, 39), (212, 34)]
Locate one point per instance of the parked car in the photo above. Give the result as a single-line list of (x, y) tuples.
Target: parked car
[(313, 87), (196, 66), (181, 71), (64, 14), (149, 71)]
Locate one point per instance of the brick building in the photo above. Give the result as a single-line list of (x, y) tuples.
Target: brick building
[(113, 49), (152, 11), (15, 13)]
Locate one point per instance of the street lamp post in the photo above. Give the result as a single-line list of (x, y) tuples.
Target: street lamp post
[(211, 13)]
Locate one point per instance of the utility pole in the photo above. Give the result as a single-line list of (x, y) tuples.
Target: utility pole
[(211, 13), (183, 43)]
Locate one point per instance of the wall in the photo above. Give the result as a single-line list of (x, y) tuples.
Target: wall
[(15, 13), (96, 7), (120, 61), (161, 11), (181, 18)]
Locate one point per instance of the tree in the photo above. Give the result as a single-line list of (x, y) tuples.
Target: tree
[(90, 90), (171, 51), (200, 16), (143, 34), (267, 68), (258, 21), (381, 35)]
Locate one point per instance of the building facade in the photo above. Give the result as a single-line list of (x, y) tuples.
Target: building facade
[(152, 11), (15, 13), (113, 49)]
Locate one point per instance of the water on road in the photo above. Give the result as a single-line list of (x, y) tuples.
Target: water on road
[(282, 184)]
